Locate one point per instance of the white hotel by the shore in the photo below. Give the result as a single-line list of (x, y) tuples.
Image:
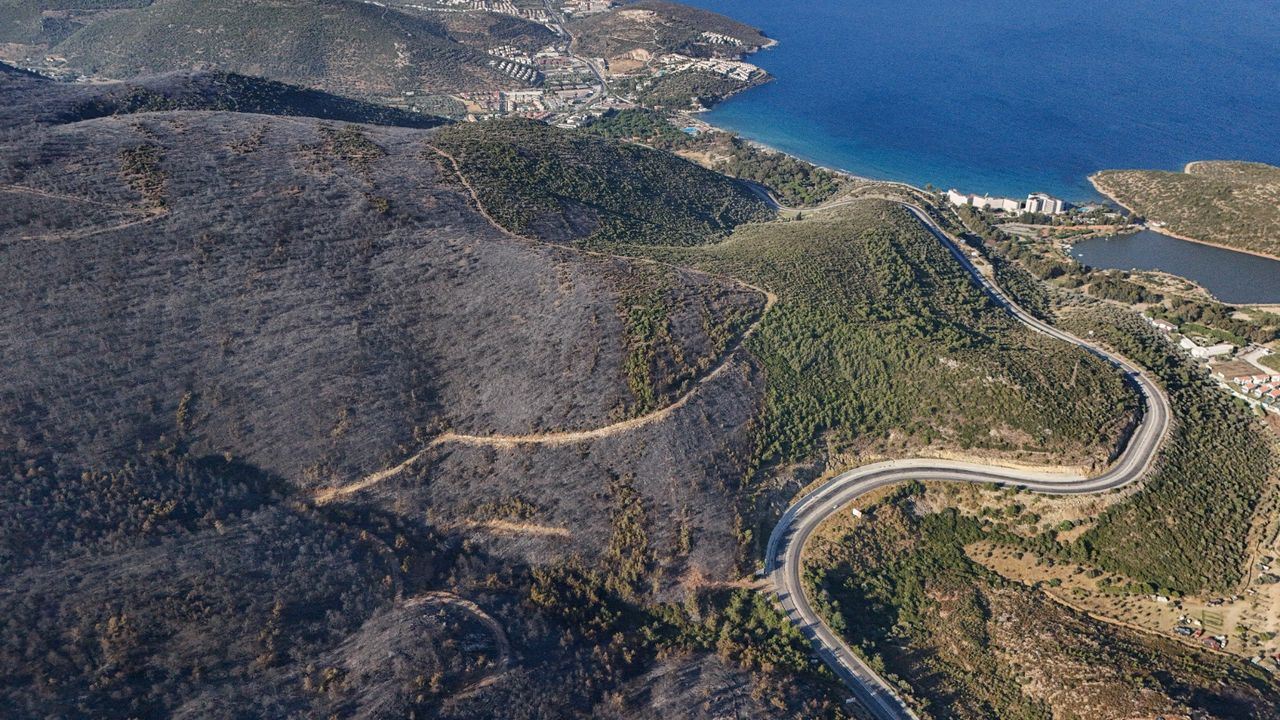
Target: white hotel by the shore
[(1035, 202)]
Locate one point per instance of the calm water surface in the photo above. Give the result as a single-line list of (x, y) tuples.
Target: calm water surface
[(1007, 96), (1231, 276)]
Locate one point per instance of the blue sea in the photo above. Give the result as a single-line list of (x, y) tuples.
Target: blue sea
[(1008, 97)]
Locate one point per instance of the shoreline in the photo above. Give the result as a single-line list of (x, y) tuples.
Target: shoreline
[(770, 77), (1165, 231), (698, 116), (818, 164), (1092, 183), (692, 115)]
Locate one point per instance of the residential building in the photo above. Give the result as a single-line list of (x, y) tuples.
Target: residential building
[(1256, 379), (513, 100), (570, 94)]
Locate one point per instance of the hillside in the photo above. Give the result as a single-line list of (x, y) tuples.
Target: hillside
[(795, 182), (690, 89), (48, 22), (341, 46), (42, 103), (1232, 204), (351, 194), (305, 418), (657, 27), (968, 644), (877, 334), (211, 314), (484, 30), (881, 337), (879, 344)]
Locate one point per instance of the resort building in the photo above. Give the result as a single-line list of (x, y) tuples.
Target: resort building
[(985, 202), (1003, 204), (1042, 203), (1036, 203)]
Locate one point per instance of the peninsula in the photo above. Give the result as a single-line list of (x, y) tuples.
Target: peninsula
[(1235, 205)]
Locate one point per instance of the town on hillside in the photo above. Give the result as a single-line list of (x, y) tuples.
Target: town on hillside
[(564, 62), (562, 85)]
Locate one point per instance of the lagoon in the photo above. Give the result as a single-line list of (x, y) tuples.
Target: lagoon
[(1232, 277), (1008, 97)]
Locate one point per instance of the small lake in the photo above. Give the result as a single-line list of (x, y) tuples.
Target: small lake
[(1232, 277)]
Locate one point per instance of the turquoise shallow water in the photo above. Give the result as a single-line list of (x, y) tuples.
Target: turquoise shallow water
[(1011, 97)]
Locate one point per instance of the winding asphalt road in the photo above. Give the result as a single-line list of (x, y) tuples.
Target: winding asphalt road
[(782, 559)]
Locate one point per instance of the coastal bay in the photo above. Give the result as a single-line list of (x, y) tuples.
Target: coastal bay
[(1000, 99)]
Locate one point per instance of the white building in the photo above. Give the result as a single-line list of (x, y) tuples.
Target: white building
[(1042, 203), (1203, 353), (985, 202), (1008, 205)]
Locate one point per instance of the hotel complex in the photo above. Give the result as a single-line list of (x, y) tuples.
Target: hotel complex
[(1042, 203), (1035, 203)]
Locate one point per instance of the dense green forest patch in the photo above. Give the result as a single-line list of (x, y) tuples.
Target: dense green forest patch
[(558, 186), (687, 88), (1187, 528), (877, 331)]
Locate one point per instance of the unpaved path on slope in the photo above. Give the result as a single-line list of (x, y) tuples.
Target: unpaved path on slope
[(329, 494)]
